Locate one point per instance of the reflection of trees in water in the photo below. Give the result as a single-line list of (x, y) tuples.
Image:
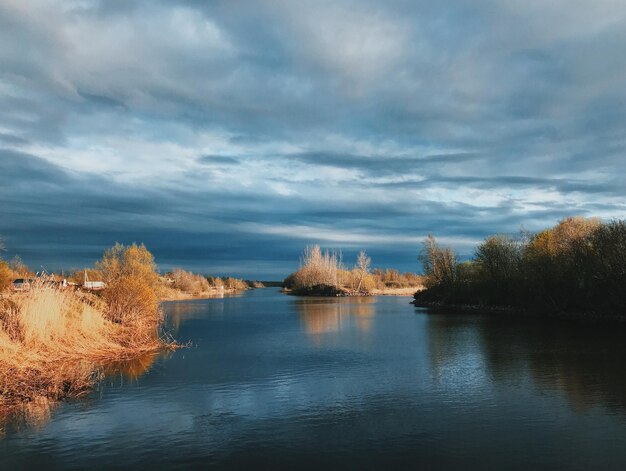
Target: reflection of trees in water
[(31, 415), (179, 311), (36, 414), (321, 315), (583, 362), (586, 363), (451, 338), (131, 370)]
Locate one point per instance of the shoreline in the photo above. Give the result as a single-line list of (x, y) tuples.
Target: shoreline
[(437, 307), (408, 292), (215, 293)]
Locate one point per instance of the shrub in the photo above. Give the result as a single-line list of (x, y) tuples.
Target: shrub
[(189, 282), (54, 342), (6, 276), (215, 281), (322, 273), (317, 269), (131, 284), (391, 278), (235, 284)]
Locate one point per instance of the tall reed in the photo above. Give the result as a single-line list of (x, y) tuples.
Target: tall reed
[(55, 342)]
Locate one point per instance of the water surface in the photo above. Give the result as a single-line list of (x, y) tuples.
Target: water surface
[(274, 381)]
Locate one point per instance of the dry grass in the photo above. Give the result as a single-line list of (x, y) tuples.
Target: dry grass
[(323, 273), (7, 275), (54, 343), (190, 282), (316, 269), (235, 284), (188, 285), (393, 279), (408, 291)]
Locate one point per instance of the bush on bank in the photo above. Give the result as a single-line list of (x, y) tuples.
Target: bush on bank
[(54, 342)]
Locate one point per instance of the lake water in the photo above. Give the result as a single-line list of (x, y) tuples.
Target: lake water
[(279, 382)]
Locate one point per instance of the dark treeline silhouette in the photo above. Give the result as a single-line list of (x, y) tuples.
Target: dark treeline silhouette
[(579, 265)]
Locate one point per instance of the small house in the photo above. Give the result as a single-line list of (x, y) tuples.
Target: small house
[(93, 285)]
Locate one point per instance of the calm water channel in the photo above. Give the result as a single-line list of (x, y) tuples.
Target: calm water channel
[(278, 382)]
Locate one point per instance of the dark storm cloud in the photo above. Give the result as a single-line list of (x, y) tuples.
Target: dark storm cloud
[(226, 135)]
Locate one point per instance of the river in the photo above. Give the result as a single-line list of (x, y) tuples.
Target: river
[(279, 382)]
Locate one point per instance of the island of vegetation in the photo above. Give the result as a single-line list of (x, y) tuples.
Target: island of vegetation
[(577, 267), (322, 273)]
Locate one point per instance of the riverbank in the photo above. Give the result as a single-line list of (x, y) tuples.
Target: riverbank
[(179, 285), (56, 343), (329, 291), (410, 291), (574, 269), (177, 295)]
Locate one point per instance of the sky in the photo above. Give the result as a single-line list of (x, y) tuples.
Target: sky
[(228, 135)]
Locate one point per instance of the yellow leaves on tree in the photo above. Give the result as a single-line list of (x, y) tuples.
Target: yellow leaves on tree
[(131, 284)]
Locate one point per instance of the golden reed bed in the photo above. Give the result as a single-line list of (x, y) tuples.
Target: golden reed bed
[(55, 343)]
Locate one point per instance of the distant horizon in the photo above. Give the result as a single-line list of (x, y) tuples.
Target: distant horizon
[(284, 267), (404, 261)]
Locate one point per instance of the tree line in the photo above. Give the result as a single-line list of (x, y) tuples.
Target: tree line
[(579, 265)]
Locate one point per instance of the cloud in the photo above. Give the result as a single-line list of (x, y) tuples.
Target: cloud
[(222, 133), (218, 159)]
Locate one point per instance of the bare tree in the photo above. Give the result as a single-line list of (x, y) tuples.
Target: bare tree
[(439, 264), (362, 267)]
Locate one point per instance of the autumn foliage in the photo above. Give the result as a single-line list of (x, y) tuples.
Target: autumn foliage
[(55, 342), (323, 272)]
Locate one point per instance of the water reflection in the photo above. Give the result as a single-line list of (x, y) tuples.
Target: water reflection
[(350, 383), (179, 311), (31, 415), (327, 315), (37, 413), (130, 371), (583, 363)]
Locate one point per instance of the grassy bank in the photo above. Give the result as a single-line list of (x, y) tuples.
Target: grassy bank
[(324, 274), (577, 267), (55, 343)]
